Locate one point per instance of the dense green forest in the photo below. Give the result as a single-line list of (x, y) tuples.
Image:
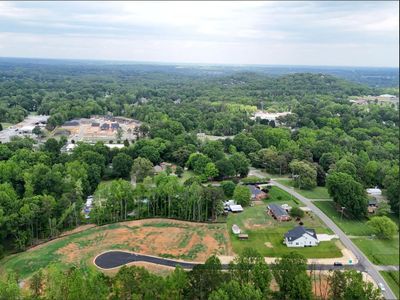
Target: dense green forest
[(42, 190), (248, 277)]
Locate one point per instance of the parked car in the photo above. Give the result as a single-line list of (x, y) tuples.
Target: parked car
[(381, 286), (337, 264)]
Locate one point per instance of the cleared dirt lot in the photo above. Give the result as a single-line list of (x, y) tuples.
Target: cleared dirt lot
[(158, 237)]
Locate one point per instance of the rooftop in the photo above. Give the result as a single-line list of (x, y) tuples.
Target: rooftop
[(298, 232), (277, 210)]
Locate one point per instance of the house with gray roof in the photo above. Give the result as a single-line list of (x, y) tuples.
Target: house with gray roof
[(301, 237), (256, 193), (278, 212)]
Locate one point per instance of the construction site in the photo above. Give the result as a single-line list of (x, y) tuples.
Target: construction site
[(99, 128)]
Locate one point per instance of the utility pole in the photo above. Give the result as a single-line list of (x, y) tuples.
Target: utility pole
[(341, 217)]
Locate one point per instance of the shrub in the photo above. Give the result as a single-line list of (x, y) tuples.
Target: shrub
[(296, 212)]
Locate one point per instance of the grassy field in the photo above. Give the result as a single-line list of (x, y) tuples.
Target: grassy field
[(159, 237), (6, 125), (379, 252), (319, 192), (392, 279), (266, 234), (186, 175), (350, 227)]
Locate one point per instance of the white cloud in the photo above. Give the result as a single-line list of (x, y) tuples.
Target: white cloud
[(228, 32)]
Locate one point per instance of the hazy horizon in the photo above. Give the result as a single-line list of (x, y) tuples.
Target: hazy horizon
[(320, 34)]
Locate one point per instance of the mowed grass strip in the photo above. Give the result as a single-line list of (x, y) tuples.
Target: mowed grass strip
[(379, 252), (319, 192), (393, 280), (350, 227), (27, 263)]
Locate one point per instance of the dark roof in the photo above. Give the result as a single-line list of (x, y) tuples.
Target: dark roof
[(255, 191), (372, 201), (95, 124), (298, 232), (105, 126), (114, 125), (71, 123), (277, 210)]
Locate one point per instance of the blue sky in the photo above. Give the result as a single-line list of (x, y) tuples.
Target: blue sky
[(283, 33)]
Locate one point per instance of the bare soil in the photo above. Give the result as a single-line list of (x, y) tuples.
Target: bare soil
[(158, 237)]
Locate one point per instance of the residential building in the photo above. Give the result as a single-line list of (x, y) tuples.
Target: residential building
[(256, 193), (301, 237), (278, 212)]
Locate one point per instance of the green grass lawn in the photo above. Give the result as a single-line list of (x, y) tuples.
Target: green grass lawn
[(319, 192), (186, 175), (379, 252), (350, 227), (392, 279), (6, 125), (278, 195), (26, 263), (266, 234)]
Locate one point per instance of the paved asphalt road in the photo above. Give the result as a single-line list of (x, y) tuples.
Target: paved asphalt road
[(114, 259), (370, 268)]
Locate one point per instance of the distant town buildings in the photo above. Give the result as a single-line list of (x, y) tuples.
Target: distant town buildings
[(263, 115), (384, 99)]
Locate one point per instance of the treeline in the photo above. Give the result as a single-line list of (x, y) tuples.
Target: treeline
[(248, 277), (72, 90), (43, 190)]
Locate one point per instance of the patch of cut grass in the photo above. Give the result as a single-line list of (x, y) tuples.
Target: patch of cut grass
[(392, 279), (265, 232), (350, 227), (379, 252), (192, 254), (185, 240), (319, 192)]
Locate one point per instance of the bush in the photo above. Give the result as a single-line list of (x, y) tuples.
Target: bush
[(228, 187), (383, 227), (296, 212)]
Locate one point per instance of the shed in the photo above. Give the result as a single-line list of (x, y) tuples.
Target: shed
[(243, 236), (235, 208)]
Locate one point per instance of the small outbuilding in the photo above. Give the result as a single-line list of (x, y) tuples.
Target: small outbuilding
[(235, 208), (243, 236)]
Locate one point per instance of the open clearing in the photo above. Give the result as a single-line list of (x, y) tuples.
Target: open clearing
[(319, 192), (266, 234), (350, 227), (379, 252), (158, 237)]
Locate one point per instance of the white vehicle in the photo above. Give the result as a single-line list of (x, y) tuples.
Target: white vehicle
[(381, 286)]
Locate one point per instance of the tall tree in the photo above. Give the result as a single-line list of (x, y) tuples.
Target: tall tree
[(347, 193)]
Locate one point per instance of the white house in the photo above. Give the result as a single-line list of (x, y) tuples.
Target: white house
[(374, 191), (301, 237)]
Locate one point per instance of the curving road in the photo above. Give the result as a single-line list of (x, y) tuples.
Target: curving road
[(117, 258), (369, 267)]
